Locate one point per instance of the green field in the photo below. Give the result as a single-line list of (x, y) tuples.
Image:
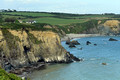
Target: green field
[(94, 16), (61, 19), (10, 16), (34, 14)]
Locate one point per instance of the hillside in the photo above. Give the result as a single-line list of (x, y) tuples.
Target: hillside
[(61, 23), (57, 18), (28, 46)]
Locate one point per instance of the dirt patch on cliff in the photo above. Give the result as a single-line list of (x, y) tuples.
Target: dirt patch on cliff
[(112, 23)]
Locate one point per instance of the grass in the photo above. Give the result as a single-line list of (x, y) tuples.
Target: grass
[(94, 16), (7, 76), (80, 27), (11, 16), (56, 18), (63, 21), (34, 14), (58, 21)]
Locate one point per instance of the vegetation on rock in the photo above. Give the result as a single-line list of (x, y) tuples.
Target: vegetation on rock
[(10, 39), (8, 76)]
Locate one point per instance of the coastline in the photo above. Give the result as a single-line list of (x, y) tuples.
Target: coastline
[(72, 36)]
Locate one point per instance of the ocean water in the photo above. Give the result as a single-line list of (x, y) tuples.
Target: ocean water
[(91, 68)]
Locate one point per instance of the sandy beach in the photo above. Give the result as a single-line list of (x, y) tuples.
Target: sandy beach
[(72, 36)]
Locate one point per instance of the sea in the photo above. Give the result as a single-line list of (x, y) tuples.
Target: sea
[(100, 62)]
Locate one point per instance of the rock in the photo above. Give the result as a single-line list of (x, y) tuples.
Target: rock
[(24, 78), (88, 42), (75, 42), (104, 63), (95, 44), (111, 39), (71, 45), (7, 66), (68, 42), (75, 58)]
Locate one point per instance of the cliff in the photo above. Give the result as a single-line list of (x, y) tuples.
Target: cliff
[(103, 27), (110, 27), (19, 48)]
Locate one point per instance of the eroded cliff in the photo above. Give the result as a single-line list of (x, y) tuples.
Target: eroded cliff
[(24, 47), (109, 27)]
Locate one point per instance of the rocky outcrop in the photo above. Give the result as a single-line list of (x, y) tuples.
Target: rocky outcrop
[(20, 48), (72, 43), (88, 42), (109, 27), (111, 39)]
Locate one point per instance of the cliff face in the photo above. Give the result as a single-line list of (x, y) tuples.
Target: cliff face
[(109, 27), (24, 47)]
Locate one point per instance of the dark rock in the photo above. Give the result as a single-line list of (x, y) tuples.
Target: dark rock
[(88, 42), (8, 66), (75, 42), (71, 45), (95, 44), (75, 58), (104, 63), (68, 41), (111, 39)]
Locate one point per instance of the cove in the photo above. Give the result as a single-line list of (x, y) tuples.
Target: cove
[(91, 67)]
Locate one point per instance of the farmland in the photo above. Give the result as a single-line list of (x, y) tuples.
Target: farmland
[(61, 19), (69, 23)]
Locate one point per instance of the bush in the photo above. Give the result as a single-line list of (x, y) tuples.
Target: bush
[(7, 76), (12, 20), (80, 27)]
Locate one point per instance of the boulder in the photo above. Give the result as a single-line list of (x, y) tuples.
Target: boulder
[(68, 42), (104, 63), (75, 42), (88, 42), (71, 45), (111, 39), (75, 58), (95, 44)]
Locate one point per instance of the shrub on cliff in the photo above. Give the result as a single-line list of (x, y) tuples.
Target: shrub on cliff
[(7, 76), (80, 27)]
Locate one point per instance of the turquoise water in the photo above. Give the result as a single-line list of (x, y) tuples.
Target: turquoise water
[(89, 69)]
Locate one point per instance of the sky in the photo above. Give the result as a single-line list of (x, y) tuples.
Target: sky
[(65, 6)]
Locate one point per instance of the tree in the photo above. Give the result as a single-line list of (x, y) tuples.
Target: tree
[(1, 18)]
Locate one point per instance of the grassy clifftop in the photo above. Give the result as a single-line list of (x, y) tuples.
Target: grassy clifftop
[(60, 23)]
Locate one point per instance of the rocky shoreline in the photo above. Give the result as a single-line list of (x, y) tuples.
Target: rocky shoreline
[(22, 51), (72, 36)]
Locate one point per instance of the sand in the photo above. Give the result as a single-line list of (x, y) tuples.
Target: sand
[(72, 36)]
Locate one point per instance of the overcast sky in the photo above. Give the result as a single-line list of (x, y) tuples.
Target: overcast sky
[(66, 6)]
